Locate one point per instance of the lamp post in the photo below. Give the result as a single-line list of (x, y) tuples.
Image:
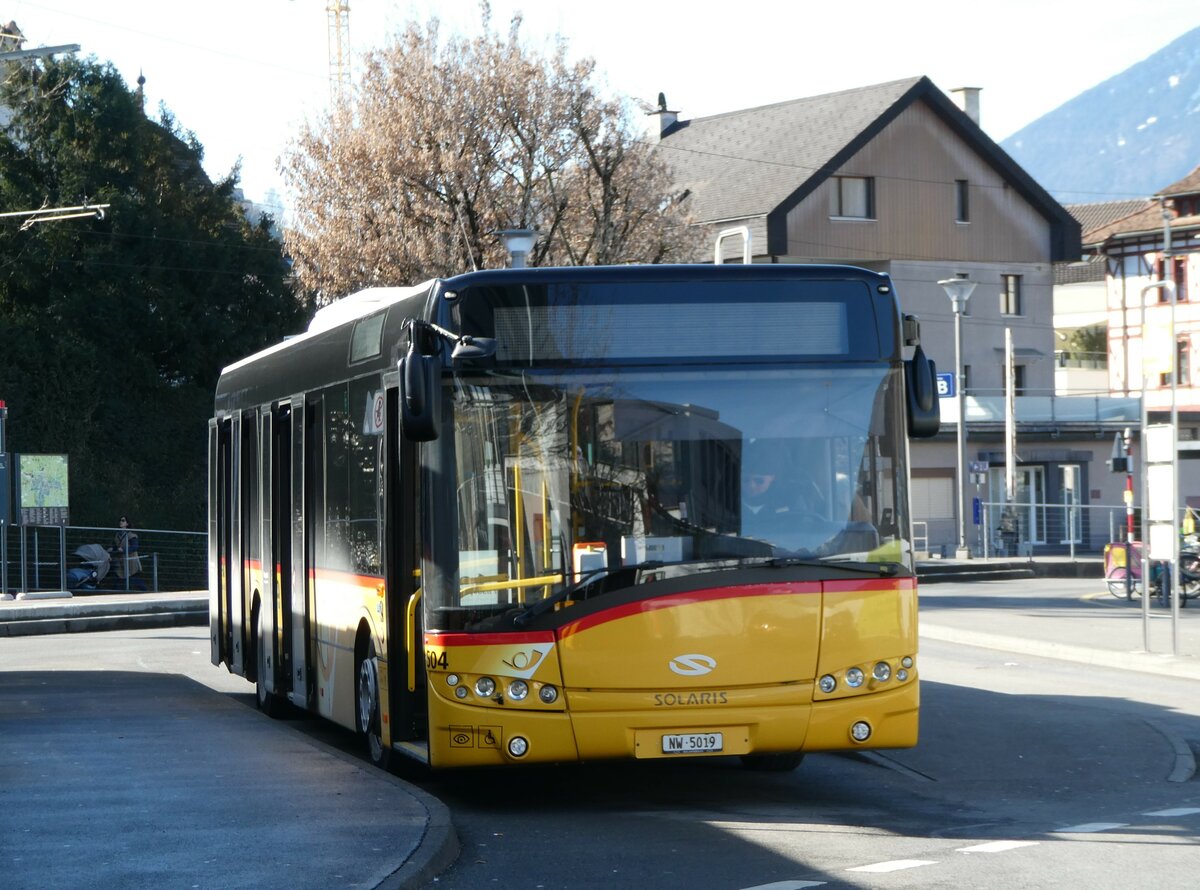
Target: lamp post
[(959, 291), (518, 243)]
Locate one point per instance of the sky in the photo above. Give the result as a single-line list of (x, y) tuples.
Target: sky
[(244, 75)]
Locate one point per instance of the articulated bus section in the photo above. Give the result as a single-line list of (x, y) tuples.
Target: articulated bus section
[(624, 682)]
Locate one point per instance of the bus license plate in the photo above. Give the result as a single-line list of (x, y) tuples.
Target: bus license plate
[(692, 742)]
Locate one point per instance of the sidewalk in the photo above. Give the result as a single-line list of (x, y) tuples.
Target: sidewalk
[(1093, 628), (140, 779), (57, 613)]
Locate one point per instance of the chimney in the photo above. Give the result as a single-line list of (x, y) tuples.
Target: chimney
[(666, 119), (967, 98)]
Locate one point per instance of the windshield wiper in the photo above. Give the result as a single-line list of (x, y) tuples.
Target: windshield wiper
[(883, 569), (541, 607)]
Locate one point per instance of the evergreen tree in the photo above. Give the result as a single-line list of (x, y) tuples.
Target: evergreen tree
[(113, 331)]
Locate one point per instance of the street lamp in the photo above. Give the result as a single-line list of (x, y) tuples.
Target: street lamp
[(959, 291), (518, 243)]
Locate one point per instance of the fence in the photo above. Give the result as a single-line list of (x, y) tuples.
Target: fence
[(1018, 529), (42, 557)]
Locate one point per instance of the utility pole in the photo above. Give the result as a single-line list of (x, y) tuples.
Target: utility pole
[(5, 504)]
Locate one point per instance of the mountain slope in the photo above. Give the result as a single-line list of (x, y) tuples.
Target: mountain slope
[(1128, 137)]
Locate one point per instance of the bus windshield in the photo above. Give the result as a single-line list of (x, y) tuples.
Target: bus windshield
[(565, 475)]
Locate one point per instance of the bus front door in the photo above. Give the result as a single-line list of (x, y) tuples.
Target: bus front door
[(406, 661)]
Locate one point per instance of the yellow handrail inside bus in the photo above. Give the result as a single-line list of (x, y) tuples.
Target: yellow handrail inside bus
[(410, 638), (511, 582), (547, 537), (518, 536)]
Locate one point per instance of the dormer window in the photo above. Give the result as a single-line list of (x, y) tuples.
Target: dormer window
[(852, 197)]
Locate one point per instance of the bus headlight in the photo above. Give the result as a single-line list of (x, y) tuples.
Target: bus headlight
[(518, 746), (484, 687), (517, 690), (548, 694), (860, 731), (906, 661), (882, 671), (461, 692), (902, 675), (854, 678), (827, 684)]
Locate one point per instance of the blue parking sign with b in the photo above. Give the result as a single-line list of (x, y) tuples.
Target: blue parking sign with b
[(945, 385)]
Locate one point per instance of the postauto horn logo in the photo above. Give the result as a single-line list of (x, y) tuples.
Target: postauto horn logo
[(692, 665)]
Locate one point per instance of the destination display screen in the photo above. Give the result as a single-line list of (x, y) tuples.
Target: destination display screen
[(674, 321)]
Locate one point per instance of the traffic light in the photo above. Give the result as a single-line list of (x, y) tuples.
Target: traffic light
[(1119, 462)]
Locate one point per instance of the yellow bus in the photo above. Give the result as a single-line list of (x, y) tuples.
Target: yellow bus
[(534, 515)]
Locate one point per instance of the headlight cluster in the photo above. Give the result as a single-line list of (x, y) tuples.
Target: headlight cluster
[(855, 678), (487, 688)]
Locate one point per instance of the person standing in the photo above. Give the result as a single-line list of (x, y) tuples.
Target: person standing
[(125, 550)]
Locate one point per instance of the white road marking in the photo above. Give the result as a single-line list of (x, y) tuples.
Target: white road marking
[(1090, 827), (787, 885), (996, 847), (1177, 811), (894, 865)]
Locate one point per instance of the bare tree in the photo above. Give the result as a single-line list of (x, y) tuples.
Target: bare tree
[(451, 140)]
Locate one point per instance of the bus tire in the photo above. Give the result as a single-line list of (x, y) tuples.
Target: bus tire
[(783, 762), (269, 703), (368, 709)]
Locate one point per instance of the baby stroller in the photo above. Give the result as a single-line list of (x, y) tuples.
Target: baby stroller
[(94, 565)]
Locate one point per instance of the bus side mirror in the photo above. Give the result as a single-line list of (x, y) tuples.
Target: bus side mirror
[(420, 401), (921, 398)]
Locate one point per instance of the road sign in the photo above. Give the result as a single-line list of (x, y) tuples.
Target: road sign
[(945, 383)]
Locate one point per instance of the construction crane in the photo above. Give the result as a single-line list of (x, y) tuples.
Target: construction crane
[(338, 12)]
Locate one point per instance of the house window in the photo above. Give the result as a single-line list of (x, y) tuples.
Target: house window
[(1178, 275), (962, 207), (1182, 365), (1018, 379), (852, 197), (1010, 294)]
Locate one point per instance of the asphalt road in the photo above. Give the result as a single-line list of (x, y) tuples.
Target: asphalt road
[(1030, 772)]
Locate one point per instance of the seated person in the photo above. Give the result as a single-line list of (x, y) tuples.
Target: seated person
[(770, 506)]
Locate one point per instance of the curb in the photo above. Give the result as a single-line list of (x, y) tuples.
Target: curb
[(1142, 662), (85, 623), (436, 851), (48, 615)]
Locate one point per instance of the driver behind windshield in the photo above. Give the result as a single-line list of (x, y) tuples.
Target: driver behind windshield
[(770, 504)]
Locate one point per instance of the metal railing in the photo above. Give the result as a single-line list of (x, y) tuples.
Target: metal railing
[(1031, 529), (42, 558)]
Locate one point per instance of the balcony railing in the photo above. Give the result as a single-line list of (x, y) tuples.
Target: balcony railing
[(1092, 361), (1046, 409)]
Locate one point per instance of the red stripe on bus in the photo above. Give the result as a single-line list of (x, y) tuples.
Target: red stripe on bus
[(867, 584), (494, 639), (371, 581), (688, 599)]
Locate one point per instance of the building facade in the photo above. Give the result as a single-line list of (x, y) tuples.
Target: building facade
[(900, 178)]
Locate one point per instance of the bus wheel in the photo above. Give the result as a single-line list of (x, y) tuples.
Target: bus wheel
[(773, 763), (368, 709)]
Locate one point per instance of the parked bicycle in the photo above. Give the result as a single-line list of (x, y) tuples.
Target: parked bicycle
[(1116, 573)]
